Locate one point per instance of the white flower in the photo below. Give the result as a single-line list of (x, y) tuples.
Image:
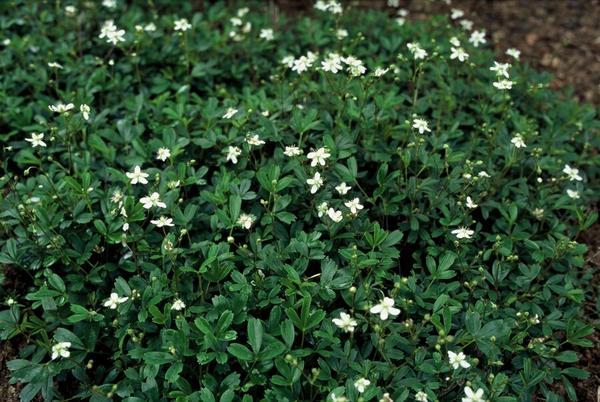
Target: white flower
[(137, 176), (472, 396), (55, 65), (463, 233), (301, 64), (458, 360), (334, 215), (246, 220), (333, 63), (467, 25), (178, 305), (85, 111), (288, 61), (254, 140), (354, 205), (501, 69), (402, 12), (400, 21), (267, 34), (242, 11), (125, 227), (456, 14), (477, 38), (573, 194), (61, 349), (318, 157), (504, 84), (386, 398), (379, 71), (292, 151), (150, 27), (162, 221), (182, 25), (421, 125), (229, 113), (514, 53), (163, 154), (61, 107), (342, 188), (233, 153), (483, 173), (153, 200), (114, 300), (459, 53), (454, 41), (518, 142), (421, 397), (361, 384), (236, 21), (345, 322), (70, 10), (109, 3), (10, 301), (416, 50), (385, 308), (315, 182), (393, 3), (112, 34), (573, 173), (341, 34), (470, 203), (355, 66), (36, 140), (322, 209)]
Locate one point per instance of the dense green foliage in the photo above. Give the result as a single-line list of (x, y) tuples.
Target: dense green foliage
[(230, 282)]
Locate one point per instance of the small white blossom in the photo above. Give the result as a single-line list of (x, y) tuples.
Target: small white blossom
[(421, 125), (361, 384), (292, 151), (85, 111), (288, 61), (70, 10), (36, 140), (114, 300), (61, 107), (421, 397), (152, 200), (162, 221), (55, 65), (514, 53), (417, 51), (501, 69), (332, 64), (393, 3), (246, 220), (342, 188), (463, 233), (356, 67), (322, 209), (385, 308), (467, 25), (178, 305), (457, 360), (112, 34), (315, 182), (163, 154), (233, 153), (334, 215), (504, 84), (267, 34), (254, 140), (477, 38), (472, 396), (109, 3), (318, 157), (459, 53), (182, 25), (301, 64), (229, 113), (456, 14), (518, 142), (483, 173), (470, 204), (341, 34), (61, 349), (572, 173), (345, 322), (573, 194), (379, 71), (354, 205), (137, 176), (150, 27)]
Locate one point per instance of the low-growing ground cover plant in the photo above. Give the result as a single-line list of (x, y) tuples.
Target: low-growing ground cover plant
[(230, 204)]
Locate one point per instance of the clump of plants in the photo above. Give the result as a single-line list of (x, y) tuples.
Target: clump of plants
[(229, 204)]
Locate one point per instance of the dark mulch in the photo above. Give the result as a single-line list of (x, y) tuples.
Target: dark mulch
[(558, 36)]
